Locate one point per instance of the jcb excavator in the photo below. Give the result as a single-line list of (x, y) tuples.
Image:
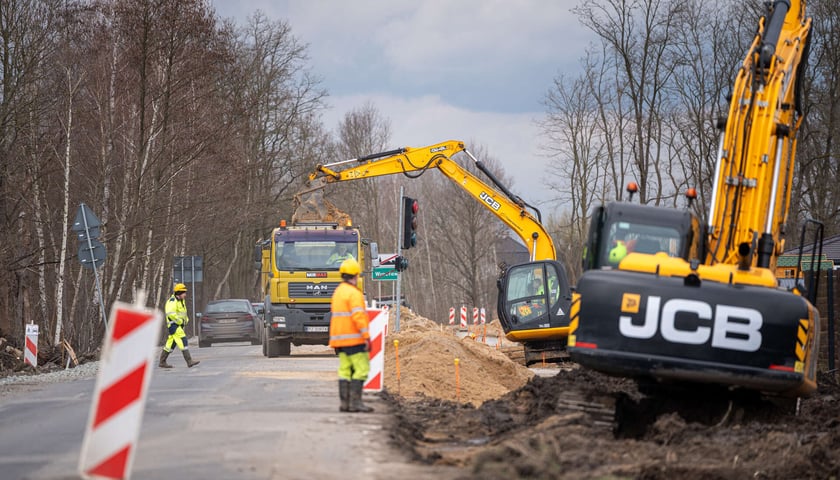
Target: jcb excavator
[(665, 299), (542, 326)]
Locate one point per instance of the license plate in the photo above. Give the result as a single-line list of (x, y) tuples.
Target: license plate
[(316, 329), (228, 320)]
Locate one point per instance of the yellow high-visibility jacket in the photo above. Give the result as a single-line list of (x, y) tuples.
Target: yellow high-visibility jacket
[(176, 311)]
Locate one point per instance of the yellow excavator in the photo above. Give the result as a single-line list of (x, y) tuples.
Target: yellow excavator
[(541, 324), (668, 299)]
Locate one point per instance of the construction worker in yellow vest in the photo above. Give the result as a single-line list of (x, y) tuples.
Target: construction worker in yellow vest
[(350, 338), (176, 320)]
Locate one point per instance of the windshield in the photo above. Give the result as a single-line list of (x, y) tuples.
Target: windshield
[(628, 237), (228, 306), (314, 255), (532, 290)]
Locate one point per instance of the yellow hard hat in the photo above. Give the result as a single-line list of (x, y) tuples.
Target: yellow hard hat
[(179, 287), (350, 267)]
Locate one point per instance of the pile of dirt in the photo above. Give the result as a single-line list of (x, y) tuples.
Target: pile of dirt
[(582, 424), (427, 354), (313, 207)]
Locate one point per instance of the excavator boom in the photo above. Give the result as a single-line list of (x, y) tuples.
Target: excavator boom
[(412, 162)]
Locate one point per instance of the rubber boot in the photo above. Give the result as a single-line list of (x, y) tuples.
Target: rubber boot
[(344, 395), (162, 363), (356, 404), (189, 359)]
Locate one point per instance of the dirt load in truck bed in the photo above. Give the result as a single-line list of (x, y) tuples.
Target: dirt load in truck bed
[(510, 423), (313, 207)]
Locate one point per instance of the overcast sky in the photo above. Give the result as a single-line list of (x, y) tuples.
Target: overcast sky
[(471, 70)]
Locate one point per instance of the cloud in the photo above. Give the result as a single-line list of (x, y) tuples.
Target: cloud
[(471, 70), (511, 138)]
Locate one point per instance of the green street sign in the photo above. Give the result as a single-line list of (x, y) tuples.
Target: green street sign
[(385, 273)]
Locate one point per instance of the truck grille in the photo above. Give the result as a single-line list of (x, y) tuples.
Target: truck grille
[(311, 290)]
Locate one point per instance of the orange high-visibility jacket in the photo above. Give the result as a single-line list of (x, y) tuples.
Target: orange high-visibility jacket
[(349, 322)]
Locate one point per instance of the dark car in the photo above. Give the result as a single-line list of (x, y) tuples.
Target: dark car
[(260, 308), (229, 320)]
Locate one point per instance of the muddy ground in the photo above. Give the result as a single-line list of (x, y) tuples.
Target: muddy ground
[(573, 423)]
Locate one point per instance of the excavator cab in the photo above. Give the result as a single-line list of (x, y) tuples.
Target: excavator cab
[(535, 297), (619, 229)]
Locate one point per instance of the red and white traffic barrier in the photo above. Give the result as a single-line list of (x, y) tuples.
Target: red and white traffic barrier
[(378, 327), (125, 368), (475, 315), (30, 353), (483, 316), (452, 315), (463, 316)]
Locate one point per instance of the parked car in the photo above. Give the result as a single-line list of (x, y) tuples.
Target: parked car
[(229, 320), (260, 308)]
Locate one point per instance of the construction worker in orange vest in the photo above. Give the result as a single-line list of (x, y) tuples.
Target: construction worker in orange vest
[(350, 337)]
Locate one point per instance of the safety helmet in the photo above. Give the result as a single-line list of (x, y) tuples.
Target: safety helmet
[(180, 288), (350, 267)]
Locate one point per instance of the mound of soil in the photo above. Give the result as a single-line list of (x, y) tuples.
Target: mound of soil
[(582, 424)]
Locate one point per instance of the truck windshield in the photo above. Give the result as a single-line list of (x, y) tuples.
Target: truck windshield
[(314, 255)]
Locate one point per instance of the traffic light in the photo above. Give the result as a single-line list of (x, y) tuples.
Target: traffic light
[(410, 208), (400, 263)]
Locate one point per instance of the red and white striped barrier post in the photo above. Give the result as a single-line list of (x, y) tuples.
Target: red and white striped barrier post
[(475, 315), (483, 316), (125, 370), (463, 317), (452, 315), (377, 326), (30, 353)]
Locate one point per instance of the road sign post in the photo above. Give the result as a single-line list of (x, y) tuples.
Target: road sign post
[(189, 270), (91, 251)]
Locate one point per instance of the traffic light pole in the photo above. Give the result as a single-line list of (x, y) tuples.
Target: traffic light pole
[(397, 297)]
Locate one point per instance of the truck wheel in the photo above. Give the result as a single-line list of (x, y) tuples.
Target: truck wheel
[(265, 343)]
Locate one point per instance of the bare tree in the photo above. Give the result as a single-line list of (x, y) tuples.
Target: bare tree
[(363, 131), (636, 35), (578, 146)]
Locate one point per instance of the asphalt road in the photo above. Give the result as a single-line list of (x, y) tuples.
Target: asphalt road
[(237, 415)]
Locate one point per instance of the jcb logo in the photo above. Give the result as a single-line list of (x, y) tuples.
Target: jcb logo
[(490, 201), (727, 326)]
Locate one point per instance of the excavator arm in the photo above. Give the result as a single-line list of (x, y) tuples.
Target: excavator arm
[(413, 162), (755, 162)]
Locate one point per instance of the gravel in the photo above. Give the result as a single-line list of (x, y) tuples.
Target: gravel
[(85, 370)]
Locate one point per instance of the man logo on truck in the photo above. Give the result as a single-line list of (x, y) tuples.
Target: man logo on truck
[(727, 326)]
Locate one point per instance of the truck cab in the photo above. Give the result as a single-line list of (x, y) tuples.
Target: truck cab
[(299, 273)]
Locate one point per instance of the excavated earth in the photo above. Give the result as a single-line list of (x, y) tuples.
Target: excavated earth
[(498, 420)]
